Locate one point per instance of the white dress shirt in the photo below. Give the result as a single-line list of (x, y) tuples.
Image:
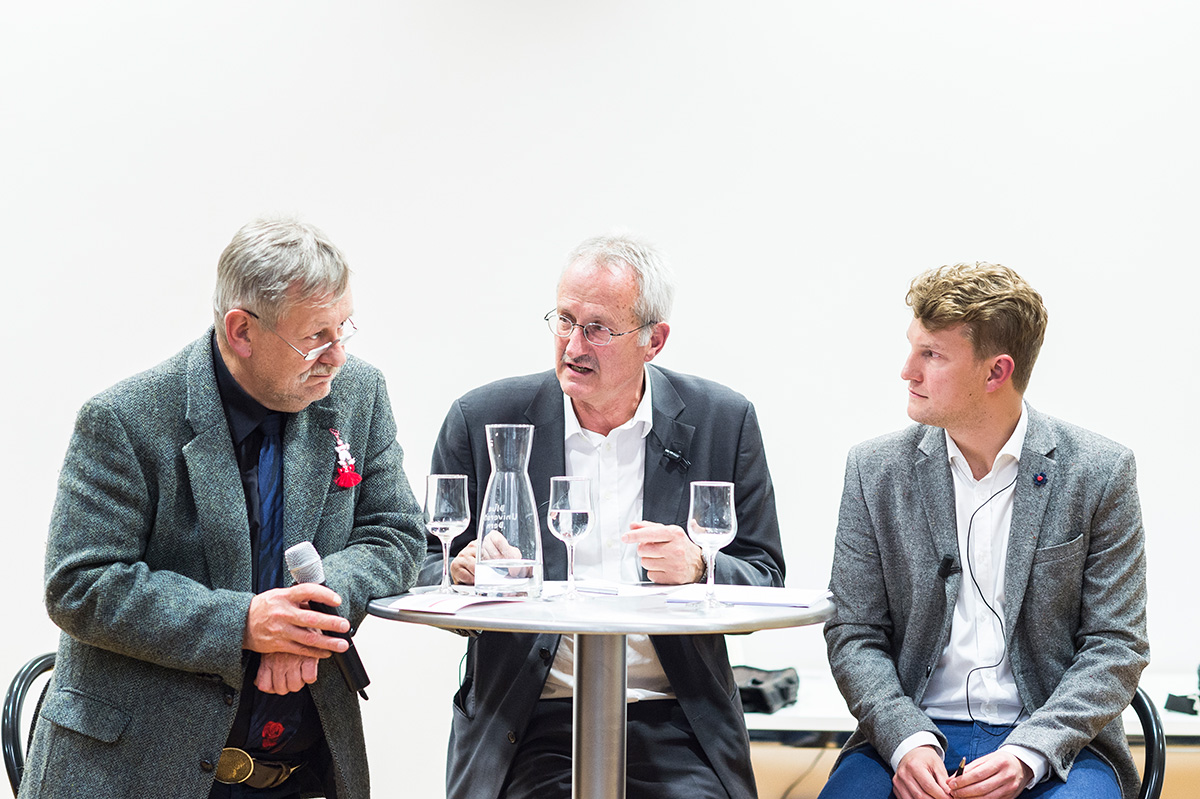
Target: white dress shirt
[(616, 464), (975, 665)]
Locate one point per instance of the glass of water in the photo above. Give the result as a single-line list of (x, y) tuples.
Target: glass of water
[(570, 518), (446, 515), (711, 525)]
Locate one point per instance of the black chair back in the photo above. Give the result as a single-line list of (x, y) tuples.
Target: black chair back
[(14, 701), (1156, 745)]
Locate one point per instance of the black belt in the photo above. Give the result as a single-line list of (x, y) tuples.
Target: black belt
[(237, 767)]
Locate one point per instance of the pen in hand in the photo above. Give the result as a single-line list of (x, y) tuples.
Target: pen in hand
[(958, 771)]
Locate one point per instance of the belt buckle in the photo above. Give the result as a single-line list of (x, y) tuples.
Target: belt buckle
[(235, 766)]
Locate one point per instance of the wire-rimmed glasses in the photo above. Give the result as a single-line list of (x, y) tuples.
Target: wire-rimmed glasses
[(594, 332), (348, 331)]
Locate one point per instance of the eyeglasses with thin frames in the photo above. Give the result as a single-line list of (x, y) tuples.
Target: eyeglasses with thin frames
[(348, 331), (594, 332)]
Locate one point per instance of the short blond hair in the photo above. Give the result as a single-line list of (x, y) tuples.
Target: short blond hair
[(1002, 313)]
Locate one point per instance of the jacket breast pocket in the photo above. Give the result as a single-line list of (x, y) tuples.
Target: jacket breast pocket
[(1071, 549), (85, 715)]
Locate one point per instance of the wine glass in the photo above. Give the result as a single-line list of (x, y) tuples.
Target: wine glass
[(570, 518), (446, 515), (711, 525)]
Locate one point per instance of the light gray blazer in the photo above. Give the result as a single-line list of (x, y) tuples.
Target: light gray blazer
[(1075, 590), (148, 573)]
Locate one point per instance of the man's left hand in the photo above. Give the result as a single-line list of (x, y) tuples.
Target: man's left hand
[(1000, 775), (285, 673), (667, 554)]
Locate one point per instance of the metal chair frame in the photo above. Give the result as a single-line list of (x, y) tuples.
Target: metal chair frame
[(1153, 770), (10, 725), (1156, 745)]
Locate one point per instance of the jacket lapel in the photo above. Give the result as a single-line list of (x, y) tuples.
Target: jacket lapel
[(309, 467), (1029, 507), (935, 485), (665, 487), (214, 477), (548, 459)]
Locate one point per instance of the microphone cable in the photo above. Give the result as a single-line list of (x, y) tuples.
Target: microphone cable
[(988, 605)]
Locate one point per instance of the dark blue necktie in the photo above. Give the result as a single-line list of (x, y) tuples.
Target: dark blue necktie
[(270, 499), (274, 719)]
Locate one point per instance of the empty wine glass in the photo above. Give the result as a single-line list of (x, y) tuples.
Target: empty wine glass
[(711, 525), (570, 518), (446, 515)]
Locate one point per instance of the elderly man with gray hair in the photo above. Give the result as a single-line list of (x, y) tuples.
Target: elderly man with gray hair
[(186, 667), (641, 434)]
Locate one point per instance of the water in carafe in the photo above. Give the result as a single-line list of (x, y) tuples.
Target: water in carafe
[(509, 546)]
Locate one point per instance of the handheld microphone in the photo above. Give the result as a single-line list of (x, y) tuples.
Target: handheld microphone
[(305, 565)]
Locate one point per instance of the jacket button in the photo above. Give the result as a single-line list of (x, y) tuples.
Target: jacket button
[(229, 693), (206, 765), (512, 737), (544, 654)]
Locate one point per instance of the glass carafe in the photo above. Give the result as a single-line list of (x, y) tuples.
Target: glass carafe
[(509, 547)]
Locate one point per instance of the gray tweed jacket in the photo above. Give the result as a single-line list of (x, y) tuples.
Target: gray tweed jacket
[(148, 573), (1075, 590)]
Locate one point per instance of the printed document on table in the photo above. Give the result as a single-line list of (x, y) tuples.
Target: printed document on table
[(448, 604)]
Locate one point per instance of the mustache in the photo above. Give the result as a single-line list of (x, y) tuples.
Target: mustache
[(584, 361), (320, 370)]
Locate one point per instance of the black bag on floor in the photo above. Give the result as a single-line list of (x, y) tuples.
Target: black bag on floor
[(765, 691)]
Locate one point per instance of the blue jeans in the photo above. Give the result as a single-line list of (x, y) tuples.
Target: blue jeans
[(863, 774)]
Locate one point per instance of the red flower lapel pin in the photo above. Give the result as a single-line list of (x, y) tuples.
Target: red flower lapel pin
[(346, 476)]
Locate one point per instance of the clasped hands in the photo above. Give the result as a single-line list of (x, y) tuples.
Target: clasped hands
[(666, 553), (922, 774), (290, 636)]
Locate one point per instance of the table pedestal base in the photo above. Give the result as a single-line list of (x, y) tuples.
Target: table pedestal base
[(598, 742)]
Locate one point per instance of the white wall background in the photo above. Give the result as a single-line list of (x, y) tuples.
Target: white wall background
[(799, 162)]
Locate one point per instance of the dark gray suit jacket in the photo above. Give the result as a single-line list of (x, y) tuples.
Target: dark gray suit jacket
[(148, 573), (712, 427), (1074, 584)]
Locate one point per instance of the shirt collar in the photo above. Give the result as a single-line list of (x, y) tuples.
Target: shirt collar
[(243, 411), (1012, 447), (641, 421)]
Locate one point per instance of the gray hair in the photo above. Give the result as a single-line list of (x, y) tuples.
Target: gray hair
[(267, 260), (655, 280)]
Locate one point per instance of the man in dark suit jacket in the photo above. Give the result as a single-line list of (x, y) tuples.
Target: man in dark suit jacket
[(988, 574), (183, 658), (686, 735)]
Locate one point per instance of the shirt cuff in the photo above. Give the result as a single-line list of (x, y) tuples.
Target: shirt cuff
[(922, 738), (1036, 761)]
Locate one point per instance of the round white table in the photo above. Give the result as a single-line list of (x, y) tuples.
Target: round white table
[(600, 625)]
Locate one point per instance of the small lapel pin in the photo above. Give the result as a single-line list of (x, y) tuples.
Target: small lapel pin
[(1039, 479)]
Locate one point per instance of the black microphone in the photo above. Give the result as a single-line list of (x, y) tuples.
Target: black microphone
[(677, 458), (305, 565), (948, 567)]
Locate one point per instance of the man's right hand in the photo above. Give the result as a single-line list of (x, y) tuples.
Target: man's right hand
[(921, 774), (279, 621), (462, 568), (495, 545)]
